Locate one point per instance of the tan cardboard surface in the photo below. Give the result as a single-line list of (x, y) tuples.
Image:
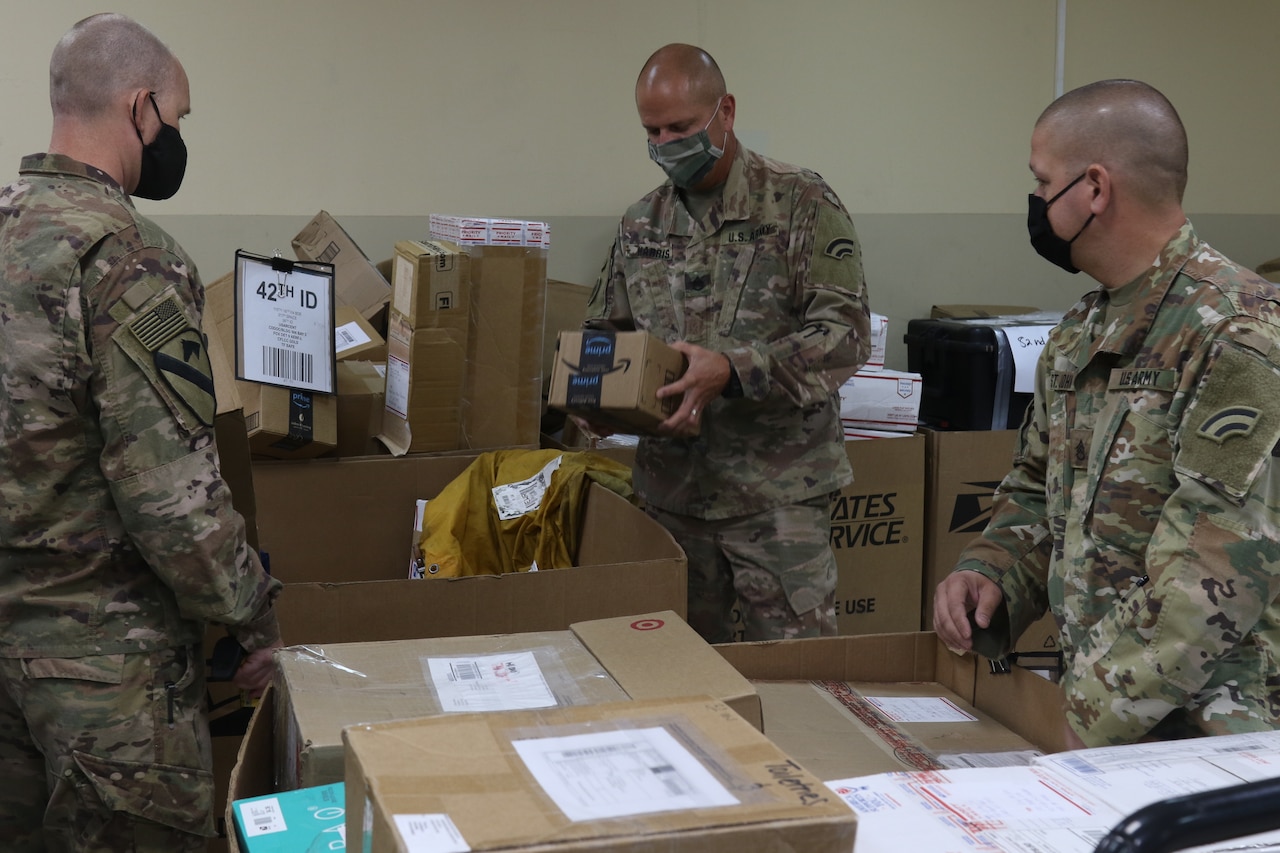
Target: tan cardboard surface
[(1025, 704), (467, 768), (361, 391), (963, 469), (501, 402), (352, 329), (877, 535), (566, 306), (356, 281), (324, 687), (625, 396), (269, 412)]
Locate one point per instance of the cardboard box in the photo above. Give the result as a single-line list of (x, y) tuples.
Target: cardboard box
[(425, 372), (335, 532), (565, 309), (356, 281), (612, 378), (355, 338), (301, 821), (361, 395), (321, 689), (501, 403), (683, 776), (877, 534), (881, 399), (286, 424), (963, 471), (837, 739), (431, 281)]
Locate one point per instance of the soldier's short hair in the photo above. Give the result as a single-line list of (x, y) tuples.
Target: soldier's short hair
[(102, 56), (1125, 125)]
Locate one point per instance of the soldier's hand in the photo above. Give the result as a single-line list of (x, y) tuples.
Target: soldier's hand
[(703, 381), (957, 595), (256, 671)]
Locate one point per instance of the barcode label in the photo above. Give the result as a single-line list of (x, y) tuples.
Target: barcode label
[(262, 817), (288, 365), (1078, 765), (464, 671)]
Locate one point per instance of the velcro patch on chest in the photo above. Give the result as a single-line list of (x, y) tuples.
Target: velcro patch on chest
[(1233, 424)]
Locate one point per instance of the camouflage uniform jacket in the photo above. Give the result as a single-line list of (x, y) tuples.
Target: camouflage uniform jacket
[(116, 528), (1144, 505), (771, 276)]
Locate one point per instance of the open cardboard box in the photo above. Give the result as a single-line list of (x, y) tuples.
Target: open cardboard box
[(1015, 710), (338, 534)]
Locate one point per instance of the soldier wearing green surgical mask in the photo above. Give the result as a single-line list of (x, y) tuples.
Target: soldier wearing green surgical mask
[(752, 269)]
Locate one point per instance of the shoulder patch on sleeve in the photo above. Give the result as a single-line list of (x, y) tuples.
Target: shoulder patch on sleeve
[(1233, 424), (837, 257), (172, 354)]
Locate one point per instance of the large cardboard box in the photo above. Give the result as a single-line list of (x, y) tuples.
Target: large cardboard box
[(837, 733), (431, 282), (677, 776), (337, 531), (356, 281), (964, 468), (612, 378), (320, 689), (501, 403), (361, 394), (877, 534), (425, 372)]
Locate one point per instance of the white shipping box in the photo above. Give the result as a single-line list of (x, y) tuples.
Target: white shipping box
[(881, 400), (879, 342)]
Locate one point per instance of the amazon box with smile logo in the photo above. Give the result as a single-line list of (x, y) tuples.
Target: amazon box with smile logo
[(612, 378)]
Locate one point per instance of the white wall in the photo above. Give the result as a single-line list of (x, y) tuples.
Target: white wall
[(917, 112)]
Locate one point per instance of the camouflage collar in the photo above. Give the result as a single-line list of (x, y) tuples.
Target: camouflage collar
[(733, 205), (1150, 291), (61, 164)]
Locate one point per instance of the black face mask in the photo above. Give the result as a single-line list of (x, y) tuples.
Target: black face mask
[(164, 161), (1048, 245)]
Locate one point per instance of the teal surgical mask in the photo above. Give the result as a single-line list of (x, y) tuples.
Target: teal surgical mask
[(689, 160)]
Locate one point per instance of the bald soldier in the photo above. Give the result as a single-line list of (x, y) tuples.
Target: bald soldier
[(117, 536), (1143, 508), (752, 269)]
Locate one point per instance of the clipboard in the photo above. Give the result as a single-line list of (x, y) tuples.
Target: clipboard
[(284, 313)]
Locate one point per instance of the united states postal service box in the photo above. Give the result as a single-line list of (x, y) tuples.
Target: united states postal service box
[(336, 533), (677, 776), (881, 399), (855, 706), (613, 378), (964, 468), (877, 534), (321, 688), (356, 281)]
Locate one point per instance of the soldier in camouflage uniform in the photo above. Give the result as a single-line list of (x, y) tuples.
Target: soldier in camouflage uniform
[(1143, 507), (752, 269), (118, 540)]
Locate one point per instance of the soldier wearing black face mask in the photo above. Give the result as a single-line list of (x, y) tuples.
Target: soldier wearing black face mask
[(1143, 506), (118, 541)]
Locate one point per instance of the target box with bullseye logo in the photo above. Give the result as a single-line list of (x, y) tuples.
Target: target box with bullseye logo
[(322, 688), (612, 378)]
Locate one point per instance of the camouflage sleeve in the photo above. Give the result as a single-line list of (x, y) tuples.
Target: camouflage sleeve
[(153, 391), (833, 327), (1213, 560), (609, 306), (1015, 548)]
